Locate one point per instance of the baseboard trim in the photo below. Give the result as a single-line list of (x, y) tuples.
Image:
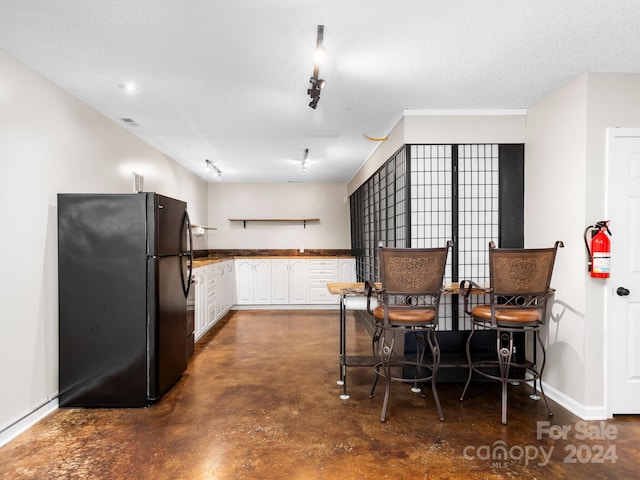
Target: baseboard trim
[(578, 409), (22, 425), (287, 307)]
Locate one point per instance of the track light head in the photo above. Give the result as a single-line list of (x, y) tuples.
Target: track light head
[(317, 84), (313, 92), (211, 166)]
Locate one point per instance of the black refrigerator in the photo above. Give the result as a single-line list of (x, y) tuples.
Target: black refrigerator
[(124, 273)]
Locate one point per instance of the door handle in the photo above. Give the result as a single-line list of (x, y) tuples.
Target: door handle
[(622, 292)]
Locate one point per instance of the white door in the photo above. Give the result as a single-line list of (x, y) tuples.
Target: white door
[(624, 322)]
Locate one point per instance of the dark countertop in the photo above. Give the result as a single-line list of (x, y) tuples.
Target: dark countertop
[(219, 256)]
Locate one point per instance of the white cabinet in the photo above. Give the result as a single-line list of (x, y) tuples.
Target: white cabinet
[(210, 271), (269, 281), (319, 273), (298, 281), (253, 281), (262, 282), (225, 284), (347, 267), (280, 281), (213, 296), (220, 282), (200, 300), (244, 281), (288, 281)]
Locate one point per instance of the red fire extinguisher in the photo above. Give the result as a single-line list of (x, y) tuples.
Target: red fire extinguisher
[(599, 249)]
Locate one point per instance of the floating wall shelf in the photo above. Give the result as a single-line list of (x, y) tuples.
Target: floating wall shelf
[(280, 220)]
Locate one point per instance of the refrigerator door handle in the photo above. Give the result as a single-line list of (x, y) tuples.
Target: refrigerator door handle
[(189, 253)]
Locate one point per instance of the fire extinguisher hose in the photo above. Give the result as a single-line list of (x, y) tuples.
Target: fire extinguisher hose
[(586, 242)]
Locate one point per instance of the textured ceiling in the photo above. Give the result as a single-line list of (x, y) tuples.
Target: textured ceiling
[(226, 80)]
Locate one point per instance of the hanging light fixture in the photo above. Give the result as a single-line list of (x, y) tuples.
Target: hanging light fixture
[(305, 160), (317, 84), (211, 166)]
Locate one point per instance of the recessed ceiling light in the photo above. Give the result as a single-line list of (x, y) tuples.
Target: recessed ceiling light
[(130, 121), (127, 87)]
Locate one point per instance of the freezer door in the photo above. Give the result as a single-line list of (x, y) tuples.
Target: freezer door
[(169, 235)]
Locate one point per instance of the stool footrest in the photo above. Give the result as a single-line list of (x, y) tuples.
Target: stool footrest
[(408, 365)]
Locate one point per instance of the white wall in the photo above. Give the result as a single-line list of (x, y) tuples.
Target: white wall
[(565, 191), (50, 142), (326, 201), (441, 128), (555, 210)]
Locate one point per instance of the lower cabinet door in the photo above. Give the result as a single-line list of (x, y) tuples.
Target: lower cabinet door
[(244, 282), (262, 282), (280, 282), (298, 282)]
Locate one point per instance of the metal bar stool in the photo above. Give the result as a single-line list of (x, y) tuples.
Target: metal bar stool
[(519, 291), (408, 302)]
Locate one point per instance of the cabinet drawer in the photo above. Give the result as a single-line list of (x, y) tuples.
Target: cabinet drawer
[(320, 294), (322, 280), (211, 312), (322, 271), (211, 284), (323, 264), (323, 275)]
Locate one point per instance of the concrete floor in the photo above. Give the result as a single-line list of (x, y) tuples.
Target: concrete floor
[(259, 400)]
